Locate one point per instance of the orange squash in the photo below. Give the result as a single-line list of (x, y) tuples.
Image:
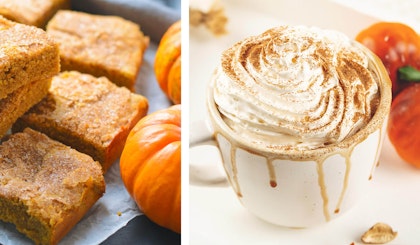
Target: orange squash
[(397, 45), (168, 63), (150, 166)]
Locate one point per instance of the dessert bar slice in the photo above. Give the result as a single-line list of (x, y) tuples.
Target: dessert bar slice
[(45, 186), (27, 54), (87, 113), (31, 12), (107, 46), (20, 101)]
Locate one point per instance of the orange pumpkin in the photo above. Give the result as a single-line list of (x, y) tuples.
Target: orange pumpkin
[(151, 166), (168, 63)]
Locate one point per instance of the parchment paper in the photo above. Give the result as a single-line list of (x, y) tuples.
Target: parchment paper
[(115, 209)]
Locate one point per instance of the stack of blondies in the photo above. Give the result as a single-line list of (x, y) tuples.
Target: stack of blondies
[(60, 132)]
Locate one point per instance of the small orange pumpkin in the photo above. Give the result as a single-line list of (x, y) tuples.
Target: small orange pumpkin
[(168, 63), (150, 166)]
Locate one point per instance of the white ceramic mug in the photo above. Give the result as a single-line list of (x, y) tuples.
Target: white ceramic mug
[(291, 188)]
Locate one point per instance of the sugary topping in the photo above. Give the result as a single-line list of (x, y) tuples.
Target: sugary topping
[(27, 54), (296, 86), (93, 107), (19, 40), (44, 173), (27, 11), (107, 40)]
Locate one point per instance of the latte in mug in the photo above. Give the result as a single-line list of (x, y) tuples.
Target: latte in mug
[(299, 114)]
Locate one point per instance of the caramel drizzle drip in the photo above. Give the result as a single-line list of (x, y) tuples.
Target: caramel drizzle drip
[(347, 156), (235, 171), (322, 187), (271, 172), (233, 179), (378, 151), (321, 176)]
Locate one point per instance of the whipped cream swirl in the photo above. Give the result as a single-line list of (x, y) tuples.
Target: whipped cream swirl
[(296, 87)]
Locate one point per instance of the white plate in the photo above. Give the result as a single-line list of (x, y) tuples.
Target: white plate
[(217, 217)]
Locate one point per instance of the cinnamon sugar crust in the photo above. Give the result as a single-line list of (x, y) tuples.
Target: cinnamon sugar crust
[(107, 46), (27, 54), (20, 101), (31, 12), (45, 186), (87, 113)]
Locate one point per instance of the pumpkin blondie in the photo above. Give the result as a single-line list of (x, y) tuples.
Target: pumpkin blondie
[(20, 101), (87, 113), (45, 186), (99, 45), (31, 12), (27, 54)]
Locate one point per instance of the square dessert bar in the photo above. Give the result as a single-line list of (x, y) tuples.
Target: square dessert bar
[(90, 114), (99, 45), (20, 101), (31, 12), (27, 54), (45, 186)]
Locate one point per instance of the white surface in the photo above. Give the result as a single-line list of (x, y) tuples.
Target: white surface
[(217, 217), (388, 10)]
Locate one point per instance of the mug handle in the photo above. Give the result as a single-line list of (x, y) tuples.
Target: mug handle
[(208, 170)]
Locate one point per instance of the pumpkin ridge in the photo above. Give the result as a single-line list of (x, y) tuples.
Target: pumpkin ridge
[(151, 167), (152, 189), (166, 59)]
